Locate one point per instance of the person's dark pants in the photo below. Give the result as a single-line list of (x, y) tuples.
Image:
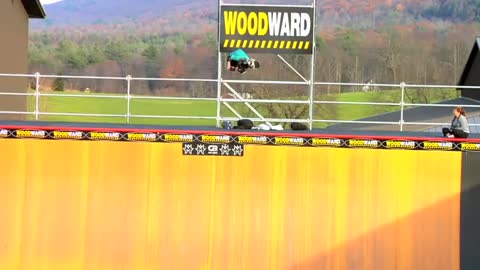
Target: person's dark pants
[(457, 133), (233, 64)]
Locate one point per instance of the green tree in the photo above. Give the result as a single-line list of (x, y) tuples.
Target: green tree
[(117, 51), (210, 40), (72, 55), (320, 42), (58, 85), (95, 54), (150, 52), (151, 64), (350, 42)]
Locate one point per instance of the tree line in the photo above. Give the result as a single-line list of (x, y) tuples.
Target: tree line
[(423, 53)]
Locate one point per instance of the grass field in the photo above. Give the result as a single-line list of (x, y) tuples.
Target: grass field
[(93, 105), (119, 106)]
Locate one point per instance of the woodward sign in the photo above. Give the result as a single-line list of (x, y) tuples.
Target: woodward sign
[(267, 29)]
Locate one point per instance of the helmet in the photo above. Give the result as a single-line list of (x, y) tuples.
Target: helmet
[(227, 124), (252, 63)]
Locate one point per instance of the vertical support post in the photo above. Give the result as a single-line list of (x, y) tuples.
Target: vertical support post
[(129, 80), (37, 95), (219, 67), (402, 105), (312, 70)]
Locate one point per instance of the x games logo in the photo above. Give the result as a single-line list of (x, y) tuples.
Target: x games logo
[(205, 149)]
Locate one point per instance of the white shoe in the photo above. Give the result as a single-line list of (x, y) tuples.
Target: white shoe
[(277, 127), (263, 127)]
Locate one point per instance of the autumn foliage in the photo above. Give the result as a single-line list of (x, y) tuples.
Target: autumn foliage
[(388, 41)]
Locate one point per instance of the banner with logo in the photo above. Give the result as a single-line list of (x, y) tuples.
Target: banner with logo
[(267, 29), (234, 145)]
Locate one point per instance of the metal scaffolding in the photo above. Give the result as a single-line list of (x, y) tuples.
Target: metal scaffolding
[(221, 82)]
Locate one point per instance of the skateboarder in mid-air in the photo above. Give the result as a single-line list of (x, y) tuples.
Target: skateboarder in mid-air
[(239, 60)]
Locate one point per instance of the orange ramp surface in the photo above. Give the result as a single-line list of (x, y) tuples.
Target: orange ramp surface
[(117, 205)]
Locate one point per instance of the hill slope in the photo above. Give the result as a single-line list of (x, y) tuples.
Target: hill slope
[(105, 12), (353, 13)]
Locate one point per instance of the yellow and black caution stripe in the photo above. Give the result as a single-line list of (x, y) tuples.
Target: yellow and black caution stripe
[(266, 44)]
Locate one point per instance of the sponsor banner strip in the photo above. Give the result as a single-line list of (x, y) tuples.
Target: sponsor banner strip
[(215, 139)]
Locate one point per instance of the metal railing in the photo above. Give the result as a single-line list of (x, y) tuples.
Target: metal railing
[(310, 101)]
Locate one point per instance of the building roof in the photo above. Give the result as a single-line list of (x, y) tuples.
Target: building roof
[(470, 62), (422, 114), (34, 9), (470, 75)]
